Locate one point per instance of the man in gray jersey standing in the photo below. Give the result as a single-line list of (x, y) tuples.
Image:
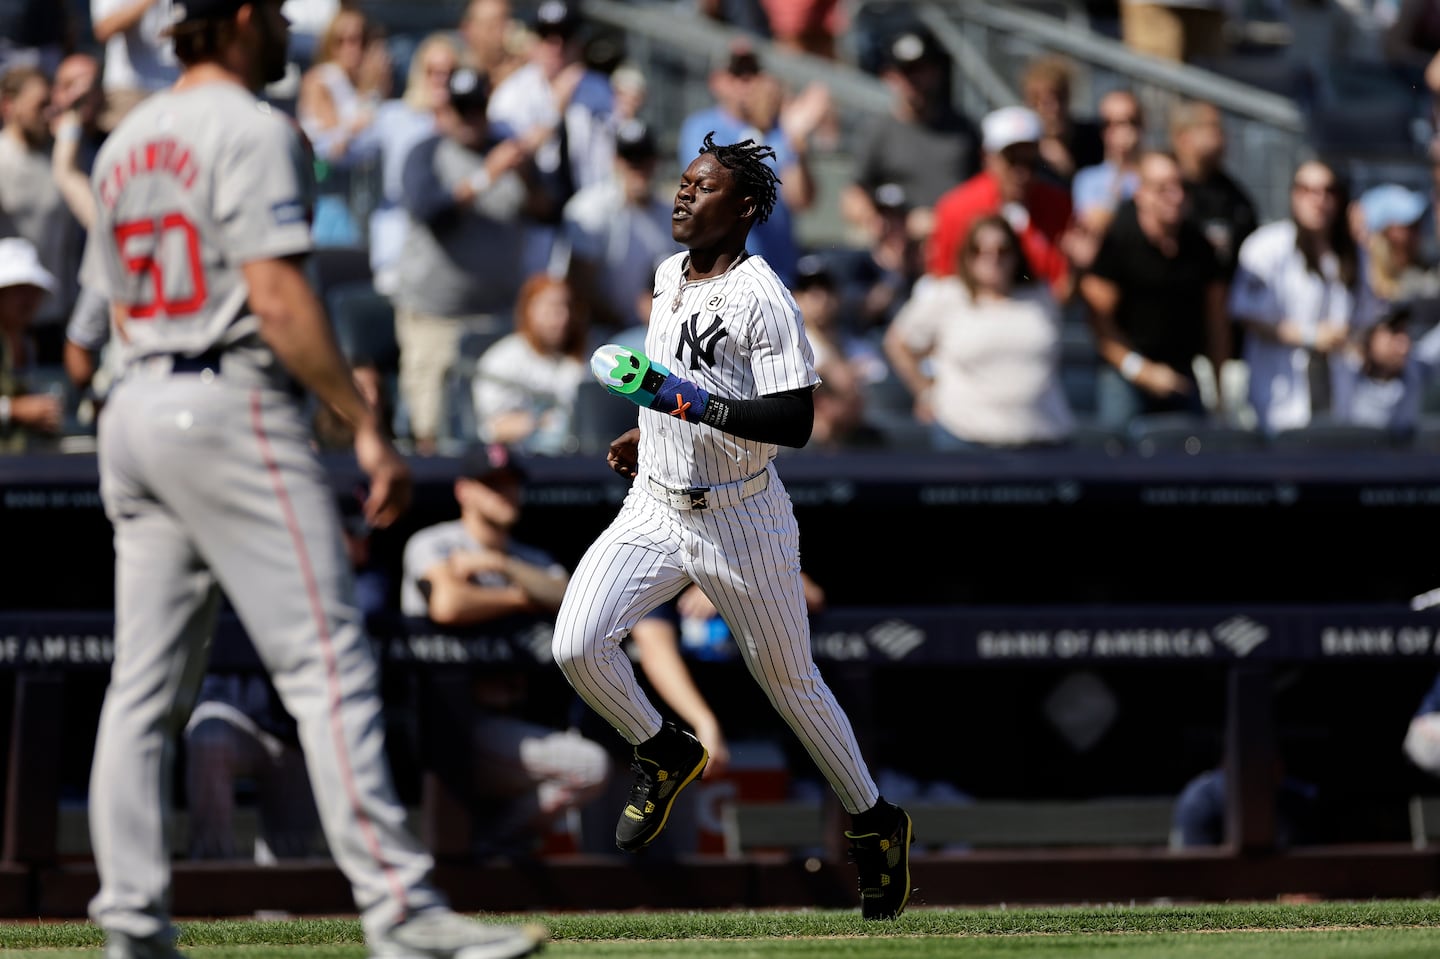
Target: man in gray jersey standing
[(708, 507), (207, 474)]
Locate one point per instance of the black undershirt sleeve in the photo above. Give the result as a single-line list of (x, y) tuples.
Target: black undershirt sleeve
[(781, 418)]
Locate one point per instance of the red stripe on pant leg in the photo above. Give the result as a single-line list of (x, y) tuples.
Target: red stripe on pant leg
[(327, 649)]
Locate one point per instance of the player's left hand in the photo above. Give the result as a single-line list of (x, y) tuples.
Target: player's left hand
[(644, 382)]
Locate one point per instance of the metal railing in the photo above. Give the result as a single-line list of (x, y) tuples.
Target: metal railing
[(682, 46), (1268, 133), (676, 49), (989, 44)]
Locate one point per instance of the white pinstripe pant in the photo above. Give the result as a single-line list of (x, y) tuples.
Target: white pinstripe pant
[(747, 560)]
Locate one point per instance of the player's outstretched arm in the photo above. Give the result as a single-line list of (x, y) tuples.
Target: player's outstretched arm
[(782, 418), (293, 324)]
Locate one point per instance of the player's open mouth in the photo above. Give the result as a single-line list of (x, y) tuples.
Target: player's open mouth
[(680, 213)]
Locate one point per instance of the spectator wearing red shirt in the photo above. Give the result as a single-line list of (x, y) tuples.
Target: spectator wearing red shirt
[(1037, 211)]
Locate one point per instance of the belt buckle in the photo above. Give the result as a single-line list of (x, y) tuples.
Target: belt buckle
[(696, 497), (687, 499)]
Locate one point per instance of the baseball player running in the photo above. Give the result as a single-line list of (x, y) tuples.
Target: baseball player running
[(707, 506), (208, 477)]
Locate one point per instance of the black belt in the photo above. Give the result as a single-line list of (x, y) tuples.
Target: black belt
[(212, 362), (207, 362)]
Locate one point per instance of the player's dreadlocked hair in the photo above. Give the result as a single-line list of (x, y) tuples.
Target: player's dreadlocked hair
[(746, 160)]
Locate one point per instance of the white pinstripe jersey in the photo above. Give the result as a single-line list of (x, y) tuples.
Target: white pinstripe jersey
[(738, 335)]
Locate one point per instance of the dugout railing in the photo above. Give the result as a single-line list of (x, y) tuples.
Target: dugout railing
[(986, 580), (48, 653)]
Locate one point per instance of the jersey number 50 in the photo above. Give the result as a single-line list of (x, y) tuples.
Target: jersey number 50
[(177, 228)]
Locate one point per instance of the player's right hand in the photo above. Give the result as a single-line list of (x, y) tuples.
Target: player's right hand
[(624, 453), (390, 482)]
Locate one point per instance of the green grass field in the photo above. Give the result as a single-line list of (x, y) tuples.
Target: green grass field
[(1370, 930)]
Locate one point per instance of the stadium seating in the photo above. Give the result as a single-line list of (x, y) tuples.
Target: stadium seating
[(599, 418), (1426, 438), (474, 343), (458, 424), (890, 408), (1326, 435), (336, 266), (364, 322), (1161, 433), (1088, 436)]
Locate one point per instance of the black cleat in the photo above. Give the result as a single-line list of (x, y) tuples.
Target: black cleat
[(884, 865), (663, 766)]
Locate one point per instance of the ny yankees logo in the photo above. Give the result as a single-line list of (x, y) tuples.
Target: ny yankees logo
[(702, 344)]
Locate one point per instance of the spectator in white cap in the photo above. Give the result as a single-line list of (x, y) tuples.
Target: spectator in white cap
[(1395, 271), (630, 88), (24, 284), (1039, 212), (31, 205)]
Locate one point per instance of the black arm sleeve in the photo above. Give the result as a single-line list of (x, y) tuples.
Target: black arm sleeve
[(781, 418)]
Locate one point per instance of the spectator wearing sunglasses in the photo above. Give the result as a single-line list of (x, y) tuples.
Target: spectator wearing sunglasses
[(980, 351), (1099, 189)]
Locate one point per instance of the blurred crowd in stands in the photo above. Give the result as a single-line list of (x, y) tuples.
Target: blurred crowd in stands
[(492, 199)]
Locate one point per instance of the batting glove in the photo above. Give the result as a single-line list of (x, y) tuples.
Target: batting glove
[(644, 382)]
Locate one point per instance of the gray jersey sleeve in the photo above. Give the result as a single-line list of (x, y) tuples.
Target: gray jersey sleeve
[(262, 199), (425, 549), (93, 275), (89, 326)]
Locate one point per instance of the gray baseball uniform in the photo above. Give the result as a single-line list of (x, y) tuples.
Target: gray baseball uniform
[(737, 335), (208, 477)]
